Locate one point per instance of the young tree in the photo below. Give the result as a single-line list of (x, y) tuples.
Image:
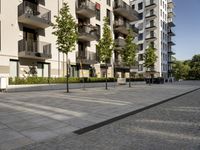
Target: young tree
[(128, 53), (105, 46), (150, 59), (66, 32)]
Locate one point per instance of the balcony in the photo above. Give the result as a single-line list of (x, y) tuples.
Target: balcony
[(171, 13), (152, 4), (119, 64), (87, 33), (119, 43), (170, 52), (150, 16), (124, 10), (150, 28), (171, 32), (152, 38), (170, 4), (34, 49), (85, 9), (171, 43), (34, 15), (86, 57), (122, 27)]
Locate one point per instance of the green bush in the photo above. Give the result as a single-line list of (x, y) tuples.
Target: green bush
[(45, 80)]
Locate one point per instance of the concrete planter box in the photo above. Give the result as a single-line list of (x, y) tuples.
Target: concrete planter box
[(121, 81)]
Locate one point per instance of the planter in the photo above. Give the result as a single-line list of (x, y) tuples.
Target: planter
[(121, 81)]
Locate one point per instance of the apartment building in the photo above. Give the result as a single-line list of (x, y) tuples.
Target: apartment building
[(28, 46), (155, 27)]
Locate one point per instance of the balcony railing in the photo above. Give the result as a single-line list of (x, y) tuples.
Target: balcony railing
[(125, 10), (87, 33), (85, 8), (151, 16), (119, 43), (151, 27), (151, 4), (86, 57), (123, 27), (34, 49), (34, 15), (171, 32), (170, 4), (171, 14), (171, 22)]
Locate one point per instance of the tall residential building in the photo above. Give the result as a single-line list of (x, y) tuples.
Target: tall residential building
[(155, 27), (28, 46)]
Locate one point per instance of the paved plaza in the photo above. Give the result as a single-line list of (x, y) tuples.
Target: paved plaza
[(30, 117)]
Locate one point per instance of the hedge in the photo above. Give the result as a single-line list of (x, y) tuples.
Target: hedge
[(45, 80)]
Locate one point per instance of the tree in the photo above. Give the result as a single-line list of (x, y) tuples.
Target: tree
[(105, 46), (66, 32), (128, 53), (180, 70), (194, 73), (150, 59)]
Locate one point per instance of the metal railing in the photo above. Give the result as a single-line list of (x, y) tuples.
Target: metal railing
[(86, 55), (85, 4), (120, 42), (122, 4), (87, 29), (121, 22), (34, 10), (32, 46)]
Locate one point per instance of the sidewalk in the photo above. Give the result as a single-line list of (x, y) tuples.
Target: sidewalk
[(45, 87), (26, 118)]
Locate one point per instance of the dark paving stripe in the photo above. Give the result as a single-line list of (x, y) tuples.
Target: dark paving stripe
[(101, 124)]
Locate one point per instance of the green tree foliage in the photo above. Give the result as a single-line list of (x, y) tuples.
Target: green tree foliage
[(180, 70), (105, 46), (128, 53), (194, 72), (150, 58), (65, 29)]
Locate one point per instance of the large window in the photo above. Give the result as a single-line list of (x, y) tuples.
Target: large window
[(14, 68), (43, 69), (140, 16), (140, 6), (140, 37), (108, 2), (98, 11), (108, 16)]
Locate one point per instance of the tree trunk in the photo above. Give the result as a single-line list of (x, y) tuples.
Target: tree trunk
[(106, 76), (67, 76), (129, 76), (81, 64)]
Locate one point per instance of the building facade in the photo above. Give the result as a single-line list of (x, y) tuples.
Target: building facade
[(28, 47), (155, 27)]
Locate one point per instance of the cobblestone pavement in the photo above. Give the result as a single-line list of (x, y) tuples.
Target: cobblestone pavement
[(31, 117)]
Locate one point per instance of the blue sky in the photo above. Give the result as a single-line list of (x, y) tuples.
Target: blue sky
[(187, 28)]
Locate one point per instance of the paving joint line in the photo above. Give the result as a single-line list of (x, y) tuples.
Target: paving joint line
[(109, 121)]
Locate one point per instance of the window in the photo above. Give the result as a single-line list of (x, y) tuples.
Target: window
[(140, 67), (98, 31), (108, 16), (14, 68), (108, 2), (140, 6), (98, 11), (42, 69), (133, 6), (140, 37), (140, 57), (140, 47), (140, 16)]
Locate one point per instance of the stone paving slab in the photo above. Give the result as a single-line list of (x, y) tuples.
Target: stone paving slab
[(38, 116)]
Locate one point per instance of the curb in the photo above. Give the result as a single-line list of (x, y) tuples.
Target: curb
[(106, 122)]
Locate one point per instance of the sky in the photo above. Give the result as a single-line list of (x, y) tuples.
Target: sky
[(187, 28)]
